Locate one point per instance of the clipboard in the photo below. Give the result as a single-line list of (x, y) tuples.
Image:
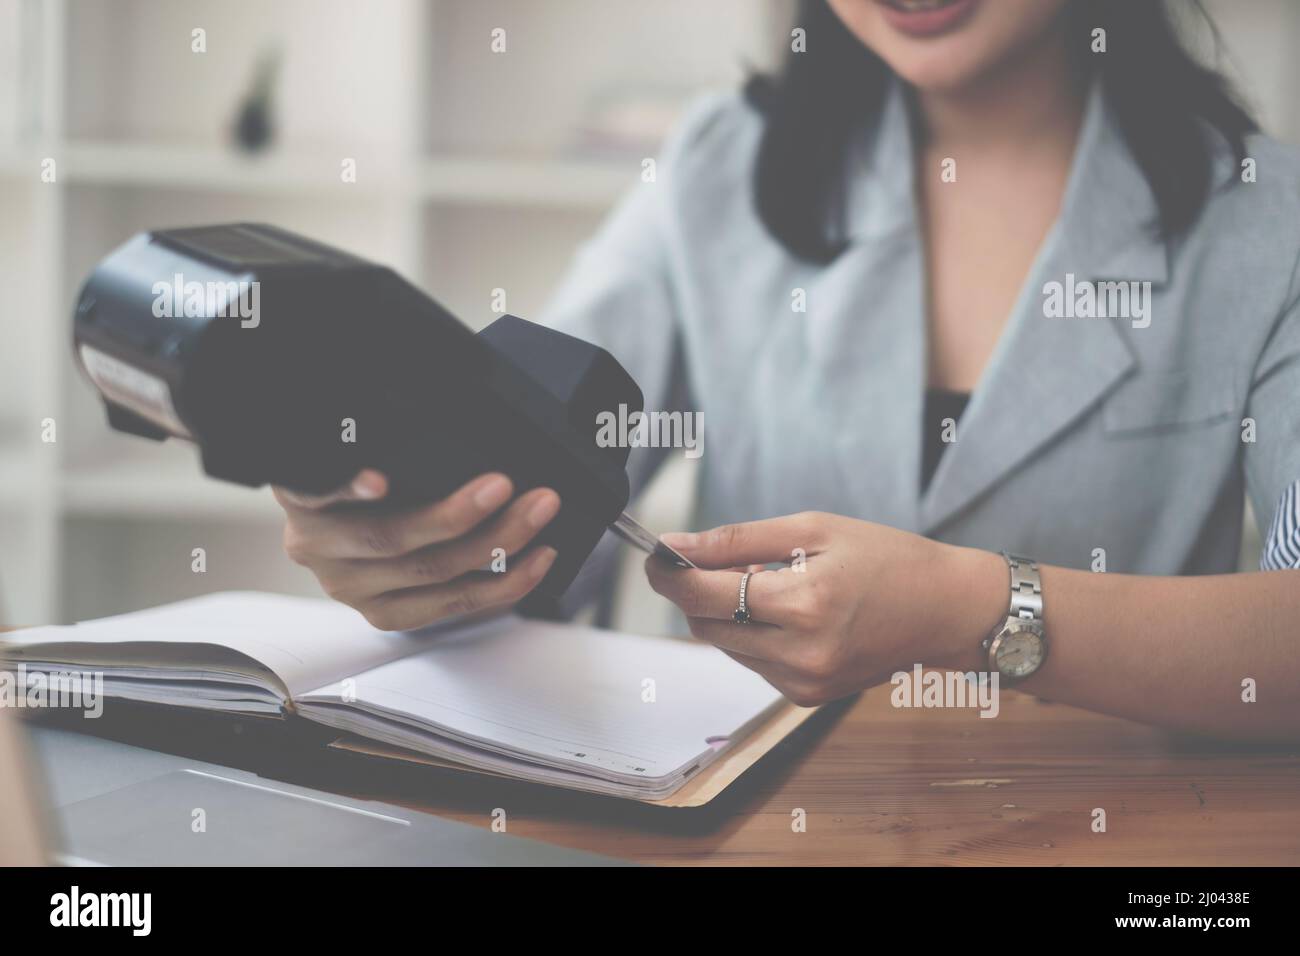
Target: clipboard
[(734, 760)]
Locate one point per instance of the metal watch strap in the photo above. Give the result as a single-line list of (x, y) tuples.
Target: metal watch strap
[(1026, 588), (1025, 614)]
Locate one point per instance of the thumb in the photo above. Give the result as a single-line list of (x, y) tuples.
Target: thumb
[(752, 542)]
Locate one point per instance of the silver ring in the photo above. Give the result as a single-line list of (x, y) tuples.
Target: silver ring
[(741, 614)]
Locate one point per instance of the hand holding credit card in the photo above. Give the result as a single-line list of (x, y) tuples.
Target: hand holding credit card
[(631, 531)]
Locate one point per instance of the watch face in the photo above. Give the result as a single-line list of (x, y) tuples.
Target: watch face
[(1019, 653)]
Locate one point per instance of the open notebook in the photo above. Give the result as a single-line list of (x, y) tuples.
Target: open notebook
[(570, 706)]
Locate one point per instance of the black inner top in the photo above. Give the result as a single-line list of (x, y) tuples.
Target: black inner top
[(940, 403)]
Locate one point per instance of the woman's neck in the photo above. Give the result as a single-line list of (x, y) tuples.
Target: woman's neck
[(1032, 100)]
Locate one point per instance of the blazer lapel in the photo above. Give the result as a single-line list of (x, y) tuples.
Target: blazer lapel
[(1046, 373), (866, 335)]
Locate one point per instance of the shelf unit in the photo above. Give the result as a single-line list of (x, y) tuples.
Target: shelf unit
[(471, 176)]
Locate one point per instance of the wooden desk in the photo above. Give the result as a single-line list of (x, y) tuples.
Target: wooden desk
[(879, 786), (884, 786)]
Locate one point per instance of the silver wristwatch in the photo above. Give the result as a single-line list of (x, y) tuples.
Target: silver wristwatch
[(1018, 648)]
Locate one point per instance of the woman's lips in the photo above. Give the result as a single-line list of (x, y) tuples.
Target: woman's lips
[(924, 18)]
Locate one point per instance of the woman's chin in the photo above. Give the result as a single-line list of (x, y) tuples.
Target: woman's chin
[(936, 74), (944, 46)]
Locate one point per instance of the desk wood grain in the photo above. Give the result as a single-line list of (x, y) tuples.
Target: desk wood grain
[(883, 786), (878, 786)]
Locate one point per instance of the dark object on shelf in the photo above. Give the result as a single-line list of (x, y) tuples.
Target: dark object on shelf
[(264, 348), (254, 127)]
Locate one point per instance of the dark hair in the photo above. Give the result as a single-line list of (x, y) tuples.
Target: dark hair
[(1160, 96)]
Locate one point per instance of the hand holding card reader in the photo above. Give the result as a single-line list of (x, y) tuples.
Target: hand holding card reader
[(291, 363)]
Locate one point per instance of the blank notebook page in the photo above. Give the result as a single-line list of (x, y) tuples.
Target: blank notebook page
[(303, 641), (596, 701)]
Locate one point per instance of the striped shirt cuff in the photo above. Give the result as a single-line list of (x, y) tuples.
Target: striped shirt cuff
[(1282, 548)]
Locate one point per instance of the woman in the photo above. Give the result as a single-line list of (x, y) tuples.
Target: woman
[(967, 277)]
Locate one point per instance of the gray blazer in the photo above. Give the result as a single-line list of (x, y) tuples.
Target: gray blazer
[(1138, 435)]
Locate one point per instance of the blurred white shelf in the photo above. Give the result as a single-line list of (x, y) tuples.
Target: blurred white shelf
[(210, 169), (20, 479), (572, 182), (476, 180), (158, 486)]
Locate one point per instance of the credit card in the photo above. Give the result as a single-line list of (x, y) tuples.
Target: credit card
[(630, 530)]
